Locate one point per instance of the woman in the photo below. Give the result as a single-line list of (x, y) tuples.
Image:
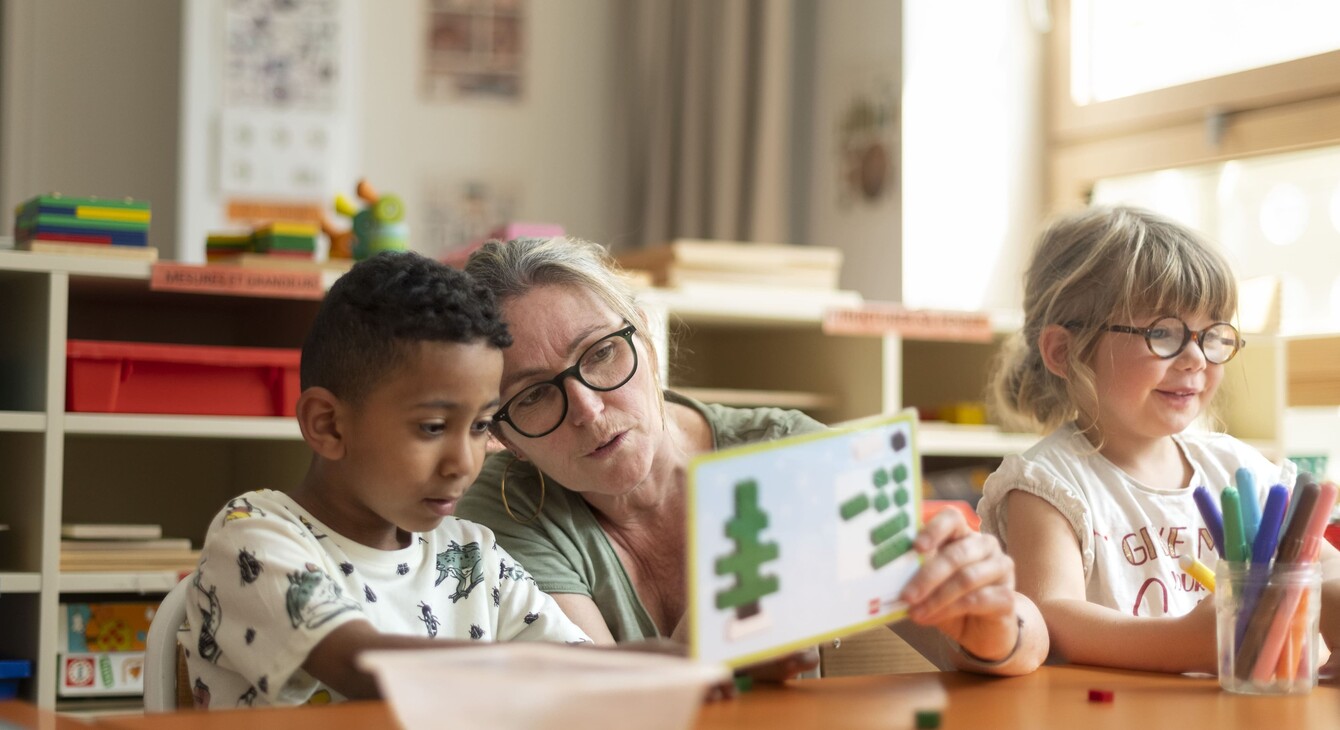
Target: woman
[(589, 495)]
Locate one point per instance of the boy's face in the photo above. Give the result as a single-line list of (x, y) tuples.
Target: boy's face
[(415, 443)]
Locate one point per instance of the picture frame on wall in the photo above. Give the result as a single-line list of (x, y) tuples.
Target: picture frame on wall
[(474, 48)]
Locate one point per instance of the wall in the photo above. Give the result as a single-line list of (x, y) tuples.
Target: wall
[(84, 115), (554, 147), (858, 49)]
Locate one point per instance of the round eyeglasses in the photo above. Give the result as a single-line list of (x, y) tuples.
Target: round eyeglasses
[(1168, 336), (540, 408)]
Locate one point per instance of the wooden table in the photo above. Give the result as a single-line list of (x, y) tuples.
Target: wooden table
[(1052, 697)]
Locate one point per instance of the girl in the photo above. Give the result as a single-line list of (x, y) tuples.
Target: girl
[(1125, 341)]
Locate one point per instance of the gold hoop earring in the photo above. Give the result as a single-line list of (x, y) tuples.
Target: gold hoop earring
[(503, 489)]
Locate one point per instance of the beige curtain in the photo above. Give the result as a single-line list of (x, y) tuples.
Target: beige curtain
[(708, 98)]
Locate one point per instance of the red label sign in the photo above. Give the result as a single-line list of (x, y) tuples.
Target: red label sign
[(878, 318), (236, 281)]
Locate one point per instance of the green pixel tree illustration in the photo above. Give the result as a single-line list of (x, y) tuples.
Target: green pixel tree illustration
[(749, 556)]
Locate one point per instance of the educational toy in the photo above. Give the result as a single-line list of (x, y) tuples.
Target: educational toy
[(803, 539)]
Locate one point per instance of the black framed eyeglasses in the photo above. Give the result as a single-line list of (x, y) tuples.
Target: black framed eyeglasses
[(1168, 336), (540, 408)]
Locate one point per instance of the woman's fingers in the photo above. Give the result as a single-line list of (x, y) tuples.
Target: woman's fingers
[(958, 568)]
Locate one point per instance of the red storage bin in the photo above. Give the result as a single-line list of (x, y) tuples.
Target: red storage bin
[(135, 377)]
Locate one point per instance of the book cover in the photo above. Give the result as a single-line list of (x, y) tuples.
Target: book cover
[(94, 674), (111, 531), (800, 540), (104, 627)]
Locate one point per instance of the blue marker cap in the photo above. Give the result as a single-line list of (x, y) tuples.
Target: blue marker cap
[(1209, 511)]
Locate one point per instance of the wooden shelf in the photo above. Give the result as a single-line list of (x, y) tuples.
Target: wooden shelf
[(20, 583), (23, 422), (948, 439), (757, 398), (144, 582), (74, 265), (246, 427)]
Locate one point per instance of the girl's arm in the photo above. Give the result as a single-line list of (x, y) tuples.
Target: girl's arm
[(1050, 570), (581, 610)]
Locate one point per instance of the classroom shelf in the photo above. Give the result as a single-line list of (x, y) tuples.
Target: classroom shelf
[(756, 398), (145, 582), (74, 265), (947, 439), (244, 427), (23, 422), (20, 583)]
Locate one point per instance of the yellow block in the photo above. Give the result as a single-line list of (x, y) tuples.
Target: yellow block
[(284, 228), (111, 214)]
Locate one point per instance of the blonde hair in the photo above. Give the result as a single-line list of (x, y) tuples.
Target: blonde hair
[(511, 269), (1094, 267)]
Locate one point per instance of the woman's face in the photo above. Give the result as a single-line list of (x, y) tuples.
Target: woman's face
[(606, 441)]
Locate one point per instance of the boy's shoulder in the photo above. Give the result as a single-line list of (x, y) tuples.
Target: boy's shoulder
[(258, 504)]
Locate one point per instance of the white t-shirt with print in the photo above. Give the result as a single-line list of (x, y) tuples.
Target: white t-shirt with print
[(1130, 534), (273, 581)]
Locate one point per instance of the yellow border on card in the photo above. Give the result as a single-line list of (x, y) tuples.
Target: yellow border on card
[(908, 415)]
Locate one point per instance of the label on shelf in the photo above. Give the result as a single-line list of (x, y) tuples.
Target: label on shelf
[(237, 281), (878, 318)]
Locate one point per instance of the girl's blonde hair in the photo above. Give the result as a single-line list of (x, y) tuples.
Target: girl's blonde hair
[(511, 269), (1095, 267)]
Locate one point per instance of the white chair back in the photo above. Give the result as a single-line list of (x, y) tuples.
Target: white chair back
[(160, 650)]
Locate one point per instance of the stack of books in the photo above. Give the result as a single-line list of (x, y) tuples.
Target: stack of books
[(96, 547), (97, 226), (685, 264)]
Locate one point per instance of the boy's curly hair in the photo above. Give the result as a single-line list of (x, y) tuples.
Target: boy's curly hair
[(385, 303)]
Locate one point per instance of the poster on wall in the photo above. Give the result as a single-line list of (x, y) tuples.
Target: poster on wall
[(473, 48), (458, 212), (282, 54)]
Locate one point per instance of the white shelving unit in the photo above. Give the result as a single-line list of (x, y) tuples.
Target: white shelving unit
[(58, 467)]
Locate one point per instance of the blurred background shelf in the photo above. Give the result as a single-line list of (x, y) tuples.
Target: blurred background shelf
[(183, 426), (20, 583), (23, 422), (144, 582)]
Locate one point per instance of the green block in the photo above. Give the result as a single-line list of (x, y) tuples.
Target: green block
[(889, 551), (881, 501), (928, 719), (900, 473), (69, 221), (889, 528), (854, 506), (881, 477), (900, 497)]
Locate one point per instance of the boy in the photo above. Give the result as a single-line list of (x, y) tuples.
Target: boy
[(400, 375)]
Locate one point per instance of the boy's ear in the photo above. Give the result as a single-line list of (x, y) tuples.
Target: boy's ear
[(318, 414), (1054, 344)]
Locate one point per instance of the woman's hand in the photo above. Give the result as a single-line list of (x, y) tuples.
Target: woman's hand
[(965, 588)]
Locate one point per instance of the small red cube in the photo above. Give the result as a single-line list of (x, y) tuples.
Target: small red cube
[(1100, 695)]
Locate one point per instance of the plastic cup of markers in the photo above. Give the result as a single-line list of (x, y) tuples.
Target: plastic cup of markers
[(1268, 630)]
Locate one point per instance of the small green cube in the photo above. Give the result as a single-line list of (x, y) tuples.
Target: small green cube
[(928, 719)]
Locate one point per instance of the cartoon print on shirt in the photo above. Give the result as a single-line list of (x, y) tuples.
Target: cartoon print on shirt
[(310, 528), (497, 596), (429, 620), (347, 568), (239, 508), (476, 633), (531, 617), (402, 569), (512, 572), (313, 598), (463, 563), (248, 698), (251, 635), (249, 566), (211, 614), (200, 695), (368, 595)]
